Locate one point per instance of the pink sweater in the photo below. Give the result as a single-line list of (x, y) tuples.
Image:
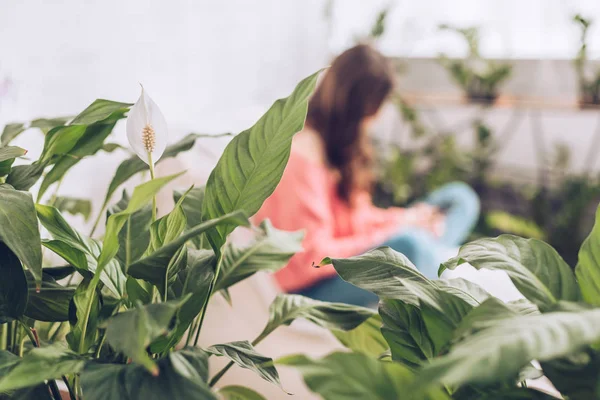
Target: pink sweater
[(306, 199)]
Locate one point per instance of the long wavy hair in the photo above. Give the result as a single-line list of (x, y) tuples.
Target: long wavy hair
[(353, 89)]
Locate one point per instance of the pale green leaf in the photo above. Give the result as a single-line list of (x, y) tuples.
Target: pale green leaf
[(98, 111), (11, 152), (365, 338), (588, 265), (74, 206), (10, 132), (239, 393)]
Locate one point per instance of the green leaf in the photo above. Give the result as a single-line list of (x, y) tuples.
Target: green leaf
[(535, 268), (19, 229), (77, 310), (147, 323), (10, 132), (11, 152), (191, 285), (23, 177), (7, 361), (110, 381), (41, 364), (167, 228), (365, 338), (5, 167), (501, 351), (79, 250), (190, 362), (341, 376), (588, 265), (99, 110), (134, 165), (253, 162), (13, 286), (405, 331), (74, 206), (152, 267), (111, 147), (90, 143), (288, 307), (192, 207), (46, 124), (51, 303), (244, 355), (270, 251), (134, 238), (61, 140), (142, 195), (239, 393)]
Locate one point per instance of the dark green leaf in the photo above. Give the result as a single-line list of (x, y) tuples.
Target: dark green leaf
[(41, 364), (77, 312), (191, 363), (23, 177), (13, 286), (59, 273), (7, 361), (10, 132), (270, 251), (74, 206), (576, 376), (5, 167), (501, 351), (51, 303), (148, 323), (288, 307), (588, 265), (535, 268), (19, 229), (192, 207), (341, 376), (98, 111), (11, 152), (253, 162), (365, 338), (133, 382), (139, 290), (244, 355), (152, 267), (134, 165), (239, 393)]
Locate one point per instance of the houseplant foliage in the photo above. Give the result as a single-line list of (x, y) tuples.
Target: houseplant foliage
[(478, 77), (453, 336), (132, 304), (587, 79)]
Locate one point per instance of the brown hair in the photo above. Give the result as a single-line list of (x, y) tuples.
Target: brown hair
[(354, 87)]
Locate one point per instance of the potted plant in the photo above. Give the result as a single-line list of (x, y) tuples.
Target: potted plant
[(588, 80)]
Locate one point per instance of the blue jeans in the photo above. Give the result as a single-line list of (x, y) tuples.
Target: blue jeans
[(426, 251)]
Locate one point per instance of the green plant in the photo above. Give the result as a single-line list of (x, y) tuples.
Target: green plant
[(453, 336), (589, 81), (480, 78), (120, 318)]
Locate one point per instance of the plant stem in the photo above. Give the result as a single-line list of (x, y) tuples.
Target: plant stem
[(151, 165), (222, 372), (3, 334), (211, 288), (55, 194), (191, 331), (99, 348), (36, 343), (98, 218)]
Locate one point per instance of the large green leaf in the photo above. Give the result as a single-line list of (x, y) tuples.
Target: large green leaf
[(191, 285), (341, 376), (90, 143), (286, 308), (11, 152), (10, 132), (133, 382), (13, 286), (47, 124), (270, 251), (41, 364), (74, 206), (77, 311), (239, 393), (406, 333), (61, 140), (100, 110), (51, 302), (79, 250), (134, 165), (145, 324), (152, 268), (535, 268), (23, 177), (142, 195), (588, 265), (134, 238), (19, 229), (365, 338), (244, 355), (253, 162), (501, 351)]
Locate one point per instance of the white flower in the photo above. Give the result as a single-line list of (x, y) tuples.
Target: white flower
[(147, 129)]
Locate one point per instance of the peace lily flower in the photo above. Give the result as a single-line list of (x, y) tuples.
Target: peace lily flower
[(147, 130)]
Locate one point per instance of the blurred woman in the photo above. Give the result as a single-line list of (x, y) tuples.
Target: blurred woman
[(325, 189)]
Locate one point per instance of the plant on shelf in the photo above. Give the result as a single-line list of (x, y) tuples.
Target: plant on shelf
[(446, 339), (121, 319), (587, 79), (478, 77)]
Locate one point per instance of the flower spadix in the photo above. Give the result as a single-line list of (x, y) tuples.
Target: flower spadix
[(147, 129)]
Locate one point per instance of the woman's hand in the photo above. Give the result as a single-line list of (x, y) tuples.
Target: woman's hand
[(427, 217)]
